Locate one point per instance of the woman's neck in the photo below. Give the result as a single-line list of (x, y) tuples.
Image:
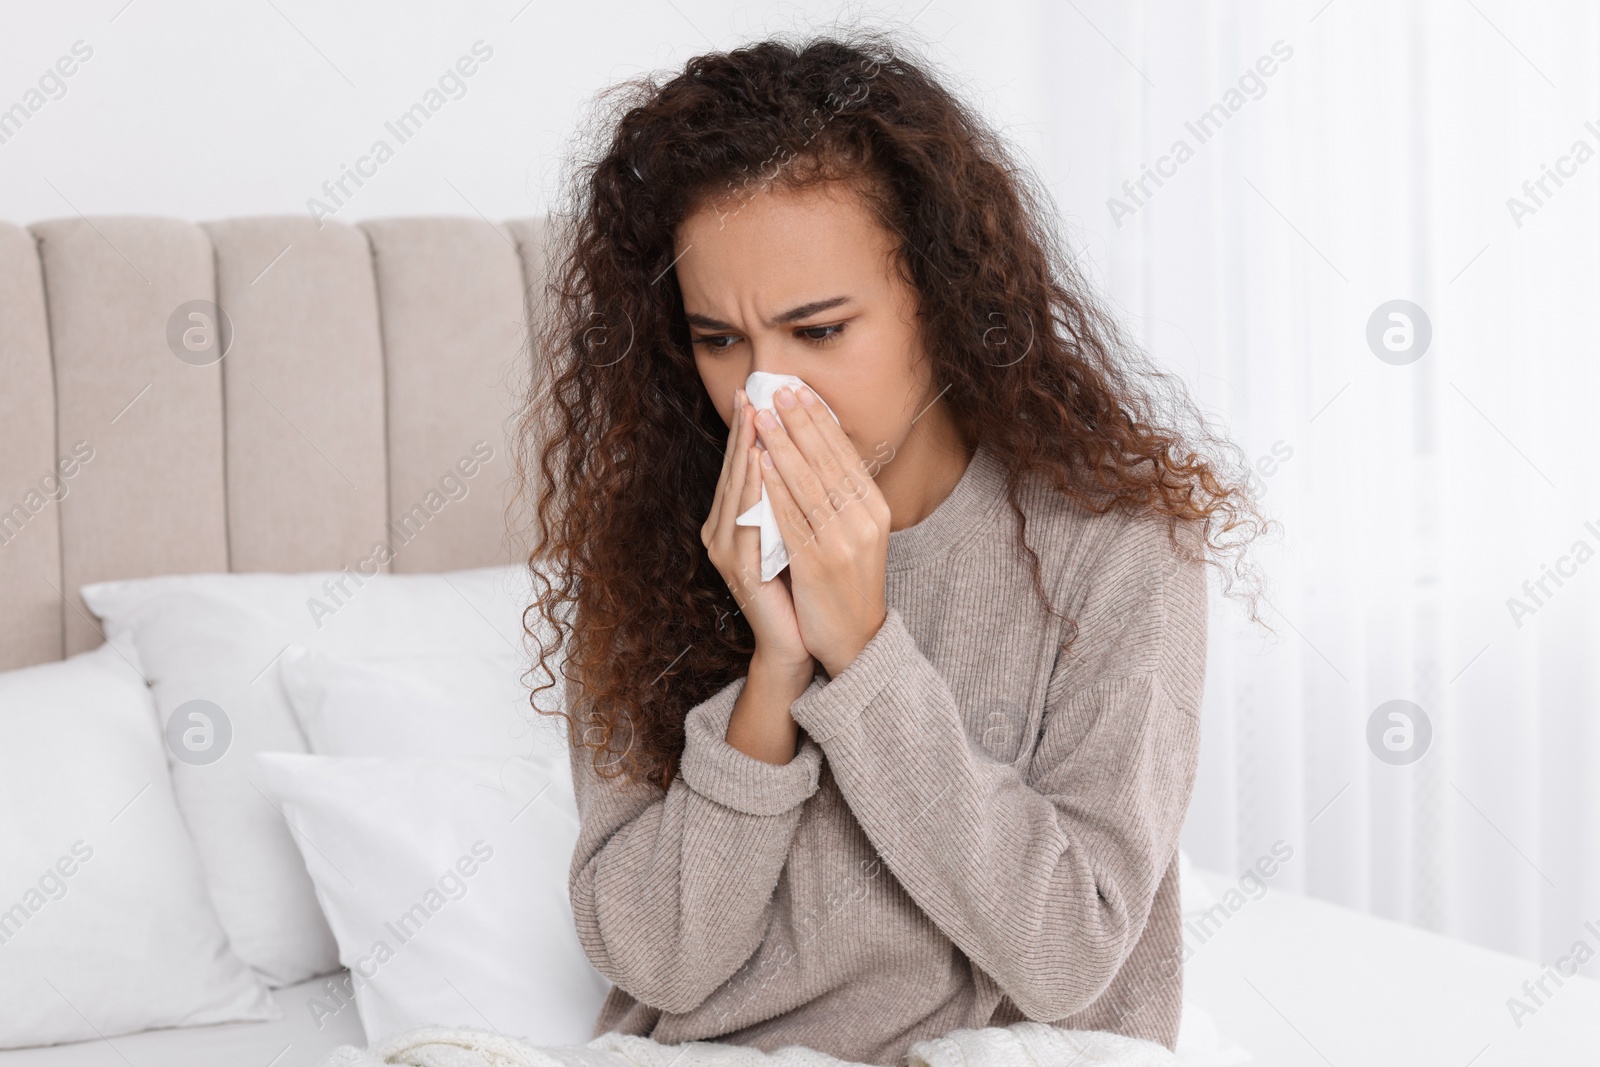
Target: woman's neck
[(924, 469)]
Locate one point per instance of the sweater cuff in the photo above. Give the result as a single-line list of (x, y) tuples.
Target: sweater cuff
[(824, 711), (716, 770)]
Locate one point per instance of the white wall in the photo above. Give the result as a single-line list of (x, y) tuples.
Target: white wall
[(204, 110)]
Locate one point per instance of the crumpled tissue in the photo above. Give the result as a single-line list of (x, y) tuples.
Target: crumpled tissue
[(761, 387)]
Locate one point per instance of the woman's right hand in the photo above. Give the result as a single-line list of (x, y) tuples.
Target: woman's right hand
[(736, 552)]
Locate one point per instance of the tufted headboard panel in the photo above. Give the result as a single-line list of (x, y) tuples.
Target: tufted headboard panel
[(367, 394)]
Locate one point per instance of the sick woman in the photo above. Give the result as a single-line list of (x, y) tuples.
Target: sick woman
[(931, 776)]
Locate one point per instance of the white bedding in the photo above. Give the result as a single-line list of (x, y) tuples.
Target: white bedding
[(292, 1041), (1023, 1044), (1299, 981), (1292, 979)]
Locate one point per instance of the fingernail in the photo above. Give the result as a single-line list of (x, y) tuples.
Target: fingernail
[(766, 460), (786, 397), (767, 420), (807, 397)]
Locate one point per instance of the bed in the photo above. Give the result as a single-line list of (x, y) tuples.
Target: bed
[(1288, 979), (293, 1041), (1296, 980)]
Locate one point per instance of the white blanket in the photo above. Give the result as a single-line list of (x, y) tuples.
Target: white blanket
[(1025, 1044)]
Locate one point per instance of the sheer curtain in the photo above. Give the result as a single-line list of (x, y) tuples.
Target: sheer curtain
[(1376, 259)]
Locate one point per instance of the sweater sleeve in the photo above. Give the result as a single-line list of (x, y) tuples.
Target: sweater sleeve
[(1042, 873), (670, 889)]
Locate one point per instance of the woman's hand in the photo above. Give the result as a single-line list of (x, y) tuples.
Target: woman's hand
[(835, 524), (736, 553)]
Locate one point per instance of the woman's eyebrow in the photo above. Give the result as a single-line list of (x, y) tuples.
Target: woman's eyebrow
[(795, 314)]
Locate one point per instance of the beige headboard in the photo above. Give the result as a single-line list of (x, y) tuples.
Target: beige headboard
[(367, 364)]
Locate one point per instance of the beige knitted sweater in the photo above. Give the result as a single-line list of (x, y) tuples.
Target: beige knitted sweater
[(975, 830)]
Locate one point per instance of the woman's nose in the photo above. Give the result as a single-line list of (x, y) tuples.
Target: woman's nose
[(765, 356)]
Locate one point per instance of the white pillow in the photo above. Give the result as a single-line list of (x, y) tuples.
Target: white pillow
[(218, 638), (105, 925), (420, 705), (445, 881)]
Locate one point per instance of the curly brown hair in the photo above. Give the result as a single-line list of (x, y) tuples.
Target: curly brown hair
[(628, 445)]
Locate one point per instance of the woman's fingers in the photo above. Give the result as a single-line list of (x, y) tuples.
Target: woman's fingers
[(822, 476), (804, 482), (792, 522), (725, 477), (854, 472), (747, 539)]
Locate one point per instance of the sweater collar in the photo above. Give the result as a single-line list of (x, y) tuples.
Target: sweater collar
[(980, 489)]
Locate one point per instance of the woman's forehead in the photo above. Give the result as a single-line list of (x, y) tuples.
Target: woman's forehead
[(782, 247)]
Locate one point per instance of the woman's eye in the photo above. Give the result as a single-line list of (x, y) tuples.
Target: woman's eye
[(822, 333), (814, 334)]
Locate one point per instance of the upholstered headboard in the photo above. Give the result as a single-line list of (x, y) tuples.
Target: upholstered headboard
[(371, 368)]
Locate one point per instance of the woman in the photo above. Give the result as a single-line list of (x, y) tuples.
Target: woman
[(932, 775)]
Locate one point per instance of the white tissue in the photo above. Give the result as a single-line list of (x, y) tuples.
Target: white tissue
[(761, 387)]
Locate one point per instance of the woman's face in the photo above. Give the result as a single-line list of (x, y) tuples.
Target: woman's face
[(804, 282)]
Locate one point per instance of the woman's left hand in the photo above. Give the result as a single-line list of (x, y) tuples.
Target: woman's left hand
[(835, 524)]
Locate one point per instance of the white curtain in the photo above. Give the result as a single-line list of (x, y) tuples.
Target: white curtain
[(1441, 512)]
